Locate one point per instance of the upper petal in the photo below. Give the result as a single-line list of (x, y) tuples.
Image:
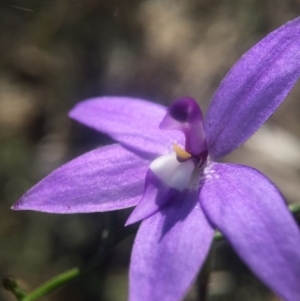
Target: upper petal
[(169, 250), (253, 89), (250, 212), (108, 178), (132, 122)]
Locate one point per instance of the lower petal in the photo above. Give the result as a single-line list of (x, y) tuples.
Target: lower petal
[(108, 178), (250, 212), (169, 249)]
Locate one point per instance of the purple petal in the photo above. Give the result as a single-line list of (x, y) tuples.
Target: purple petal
[(169, 249), (253, 89), (132, 122), (185, 115), (250, 212), (108, 178), (156, 194)]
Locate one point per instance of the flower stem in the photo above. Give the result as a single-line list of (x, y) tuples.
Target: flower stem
[(52, 284)]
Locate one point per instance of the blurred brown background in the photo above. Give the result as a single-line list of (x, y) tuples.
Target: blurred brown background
[(56, 53)]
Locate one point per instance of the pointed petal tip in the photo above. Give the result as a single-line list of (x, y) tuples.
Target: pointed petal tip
[(138, 215), (132, 220), (105, 179), (18, 205), (14, 207), (27, 205)]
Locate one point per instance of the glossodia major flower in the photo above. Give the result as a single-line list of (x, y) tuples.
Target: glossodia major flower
[(166, 164)]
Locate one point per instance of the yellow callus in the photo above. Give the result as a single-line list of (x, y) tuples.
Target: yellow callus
[(181, 153)]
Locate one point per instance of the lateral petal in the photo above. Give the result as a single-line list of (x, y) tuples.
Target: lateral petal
[(253, 89), (169, 250), (132, 122), (251, 214), (108, 178)]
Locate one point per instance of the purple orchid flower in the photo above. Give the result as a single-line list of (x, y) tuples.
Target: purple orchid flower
[(166, 165)]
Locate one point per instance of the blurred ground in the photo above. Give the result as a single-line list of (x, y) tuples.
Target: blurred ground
[(56, 53)]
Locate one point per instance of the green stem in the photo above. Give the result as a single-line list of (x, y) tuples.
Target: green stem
[(52, 284)]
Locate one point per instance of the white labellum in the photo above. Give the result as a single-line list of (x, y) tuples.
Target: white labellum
[(173, 173)]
